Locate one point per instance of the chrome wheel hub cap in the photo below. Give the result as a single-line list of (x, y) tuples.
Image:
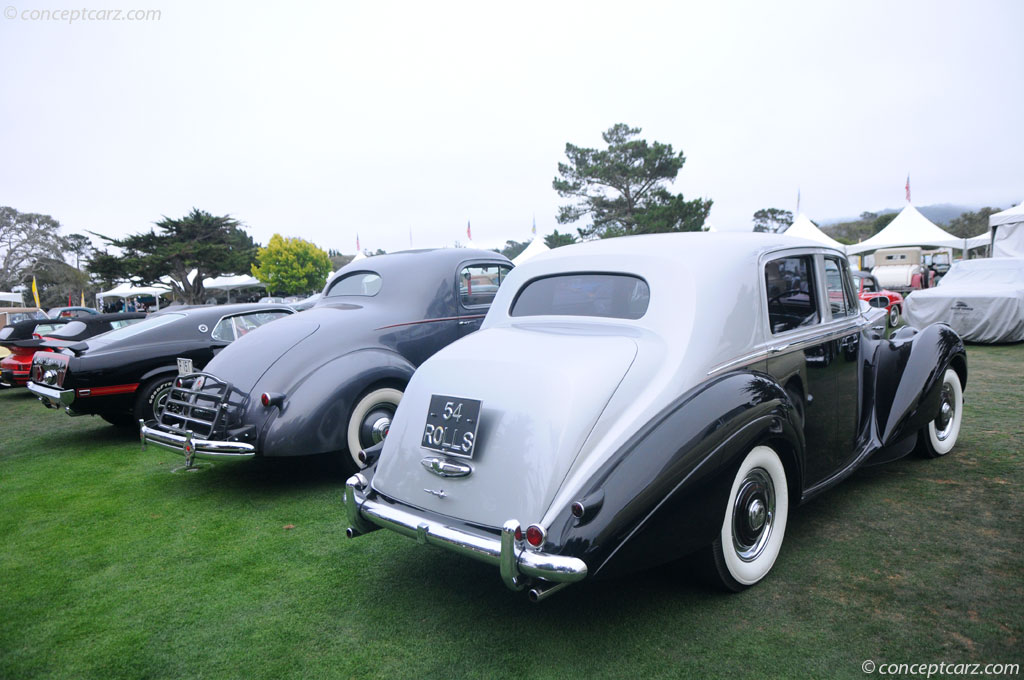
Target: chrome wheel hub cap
[(947, 411), (753, 514), (379, 429)]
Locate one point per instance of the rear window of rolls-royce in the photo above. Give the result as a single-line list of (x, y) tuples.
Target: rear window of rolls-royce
[(614, 296)]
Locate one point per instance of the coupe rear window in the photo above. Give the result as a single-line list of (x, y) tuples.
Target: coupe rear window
[(366, 284), (616, 296), (141, 327)]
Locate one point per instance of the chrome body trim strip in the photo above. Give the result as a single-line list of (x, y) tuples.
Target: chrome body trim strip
[(501, 551), (53, 398), (800, 342), (202, 448)]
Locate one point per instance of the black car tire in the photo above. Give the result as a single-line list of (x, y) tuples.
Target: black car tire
[(151, 395), (939, 437), (755, 522), (375, 404)]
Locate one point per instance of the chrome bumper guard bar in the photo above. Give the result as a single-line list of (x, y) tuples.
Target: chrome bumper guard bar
[(190, 447), (51, 397), (515, 562)]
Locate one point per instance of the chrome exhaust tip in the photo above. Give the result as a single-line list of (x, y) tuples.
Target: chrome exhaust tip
[(544, 591)]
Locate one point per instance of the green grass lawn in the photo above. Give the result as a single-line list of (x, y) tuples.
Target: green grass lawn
[(112, 566)]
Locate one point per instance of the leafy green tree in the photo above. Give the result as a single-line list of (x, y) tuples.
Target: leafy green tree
[(291, 266), (556, 240), (80, 246), (622, 188), (338, 260), (971, 224), (189, 250), (513, 248), (772, 220), (26, 238), (58, 281)]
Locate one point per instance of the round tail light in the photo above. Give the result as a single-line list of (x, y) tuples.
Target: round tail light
[(535, 535), (577, 510), (265, 399)]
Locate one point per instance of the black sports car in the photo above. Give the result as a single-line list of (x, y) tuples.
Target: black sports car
[(329, 379), (25, 338), (124, 375)]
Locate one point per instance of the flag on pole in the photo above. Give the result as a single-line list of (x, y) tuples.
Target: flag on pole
[(83, 298), (358, 249), (35, 291), (469, 232), (798, 203), (534, 230), (69, 299), (908, 188), (410, 237)]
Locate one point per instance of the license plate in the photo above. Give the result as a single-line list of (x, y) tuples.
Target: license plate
[(451, 425), (184, 366)]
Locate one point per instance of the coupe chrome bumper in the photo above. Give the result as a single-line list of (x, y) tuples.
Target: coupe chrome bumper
[(188, 446), (515, 561), (51, 397)]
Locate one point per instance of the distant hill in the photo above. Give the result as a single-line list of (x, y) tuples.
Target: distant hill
[(940, 213)]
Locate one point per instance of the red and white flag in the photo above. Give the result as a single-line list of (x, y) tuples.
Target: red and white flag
[(358, 249), (908, 188), (469, 232)]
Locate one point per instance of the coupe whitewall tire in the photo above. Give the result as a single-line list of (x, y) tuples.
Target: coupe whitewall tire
[(371, 419), (941, 434), (755, 521)]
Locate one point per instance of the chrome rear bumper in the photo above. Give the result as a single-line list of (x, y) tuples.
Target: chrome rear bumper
[(190, 447), (515, 561), (51, 397)]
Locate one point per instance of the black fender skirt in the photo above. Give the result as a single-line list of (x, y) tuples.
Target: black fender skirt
[(662, 495)]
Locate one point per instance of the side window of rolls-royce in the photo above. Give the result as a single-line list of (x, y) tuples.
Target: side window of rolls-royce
[(789, 288), (840, 295), (478, 283)]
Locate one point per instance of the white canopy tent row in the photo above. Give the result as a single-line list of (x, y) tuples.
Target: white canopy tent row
[(11, 299), (911, 228), (535, 248), (126, 291)]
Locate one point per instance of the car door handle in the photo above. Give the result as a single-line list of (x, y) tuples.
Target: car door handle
[(468, 322), (779, 348)]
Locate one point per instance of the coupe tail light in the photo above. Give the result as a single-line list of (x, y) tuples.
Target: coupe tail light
[(535, 535), (269, 399)]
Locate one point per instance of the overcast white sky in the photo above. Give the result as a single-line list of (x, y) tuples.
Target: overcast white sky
[(322, 120)]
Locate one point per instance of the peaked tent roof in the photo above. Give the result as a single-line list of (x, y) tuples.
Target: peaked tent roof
[(708, 227), (536, 247), (802, 227), (910, 228), (1008, 216)]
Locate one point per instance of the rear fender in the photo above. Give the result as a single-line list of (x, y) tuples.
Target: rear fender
[(908, 370), (662, 494), (313, 418)]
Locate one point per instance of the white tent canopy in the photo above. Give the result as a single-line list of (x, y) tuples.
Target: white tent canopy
[(802, 227), (910, 228), (232, 282), (14, 298), (1007, 229), (128, 290), (536, 247)]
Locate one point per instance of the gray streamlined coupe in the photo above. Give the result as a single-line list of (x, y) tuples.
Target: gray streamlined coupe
[(632, 400), (329, 379)]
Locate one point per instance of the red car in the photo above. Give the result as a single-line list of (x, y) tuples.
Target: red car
[(869, 290), (26, 338)]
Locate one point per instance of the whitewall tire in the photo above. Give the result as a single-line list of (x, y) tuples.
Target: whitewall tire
[(755, 521), (371, 419), (940, 436)]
